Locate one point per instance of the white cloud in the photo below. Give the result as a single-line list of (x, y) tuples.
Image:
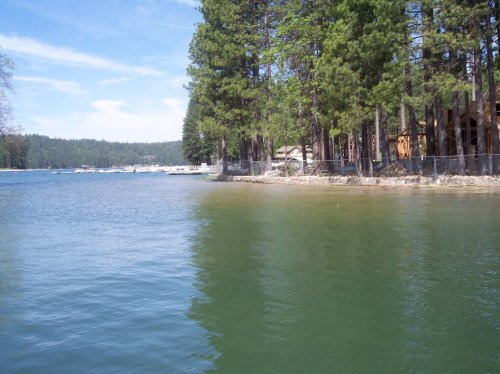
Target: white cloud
[(107, 105), (173, 103), (191, 3), (72, 88), (112, 120), (121, 79), (31, 47)]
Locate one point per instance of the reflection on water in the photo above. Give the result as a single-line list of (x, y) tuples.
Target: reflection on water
[(296, 280), (151, 273)]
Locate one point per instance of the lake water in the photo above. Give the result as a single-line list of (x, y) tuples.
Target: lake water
[(113, 273)]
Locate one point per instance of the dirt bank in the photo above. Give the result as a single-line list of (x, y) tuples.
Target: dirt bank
[(442, 180)]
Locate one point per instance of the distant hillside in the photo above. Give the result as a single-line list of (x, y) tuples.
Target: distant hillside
[(45, 152)]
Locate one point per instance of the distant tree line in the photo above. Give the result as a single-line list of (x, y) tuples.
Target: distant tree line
[(14, 151), (40, 152), (45, 152), (270, 72)]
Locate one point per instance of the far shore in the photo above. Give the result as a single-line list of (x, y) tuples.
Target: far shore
[(16, 170), (402, 181)]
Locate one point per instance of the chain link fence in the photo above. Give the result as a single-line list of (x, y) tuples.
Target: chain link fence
[(486, 164)]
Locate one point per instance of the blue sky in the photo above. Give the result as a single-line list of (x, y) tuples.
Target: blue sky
[(99, 69)]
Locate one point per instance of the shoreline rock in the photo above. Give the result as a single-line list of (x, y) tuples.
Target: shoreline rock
[(403, 181)]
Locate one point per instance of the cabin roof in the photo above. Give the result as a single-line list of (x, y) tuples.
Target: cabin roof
[(290, 148)]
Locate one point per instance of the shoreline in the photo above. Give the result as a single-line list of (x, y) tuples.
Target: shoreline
[(17, 170), (403, 181)]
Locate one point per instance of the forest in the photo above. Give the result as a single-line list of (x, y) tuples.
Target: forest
[(37, 151), (344, 77)]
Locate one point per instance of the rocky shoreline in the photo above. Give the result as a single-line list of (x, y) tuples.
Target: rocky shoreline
[(409, 181)]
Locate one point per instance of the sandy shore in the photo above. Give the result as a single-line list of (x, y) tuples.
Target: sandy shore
[(411, 181)]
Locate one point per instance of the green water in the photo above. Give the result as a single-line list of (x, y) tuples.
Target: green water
[(295, 279), (148, 273)]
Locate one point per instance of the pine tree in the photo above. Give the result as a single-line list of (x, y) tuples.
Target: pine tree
[(362, 65)]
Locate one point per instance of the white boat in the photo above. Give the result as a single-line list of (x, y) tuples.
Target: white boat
[(184, 170)]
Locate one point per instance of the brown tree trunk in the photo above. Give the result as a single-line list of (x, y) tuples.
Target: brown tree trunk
[(415, 151), (315, 134), (492, 94), (438, 105), (304, 153), (384, 139), (250, 155), (458, 132), (468, 132), (456, 115), (243, 150), (364, 145), (430, 138), (478, 76), (222, 154), (356, 153), (267, 47), (326, 155), (369, 146)]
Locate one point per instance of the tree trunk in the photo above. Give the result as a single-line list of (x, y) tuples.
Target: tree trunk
[(250, 155), (438, 106), (402, 115), (349, 147), (326, 156), (315, 130), (333, 152), (478, 76), (260, 148), (468, 132), (356, 153), (341, 152), (415, 152), (222, 154), (456, 115), (492, 93), (458, 132), (430, 138), (304, 153), (286, 156), (243, 150), (369, 145), (377, 133), (267, 47), (364, 145), (384, 138)]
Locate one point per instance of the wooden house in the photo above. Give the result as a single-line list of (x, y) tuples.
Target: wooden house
[(450, 128), (403, 139), (292, 151)]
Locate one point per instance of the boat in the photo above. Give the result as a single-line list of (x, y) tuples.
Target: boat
[(184, 170), (190, 170)]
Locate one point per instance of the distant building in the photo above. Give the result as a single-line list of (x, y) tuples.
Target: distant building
[(292, 152)]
